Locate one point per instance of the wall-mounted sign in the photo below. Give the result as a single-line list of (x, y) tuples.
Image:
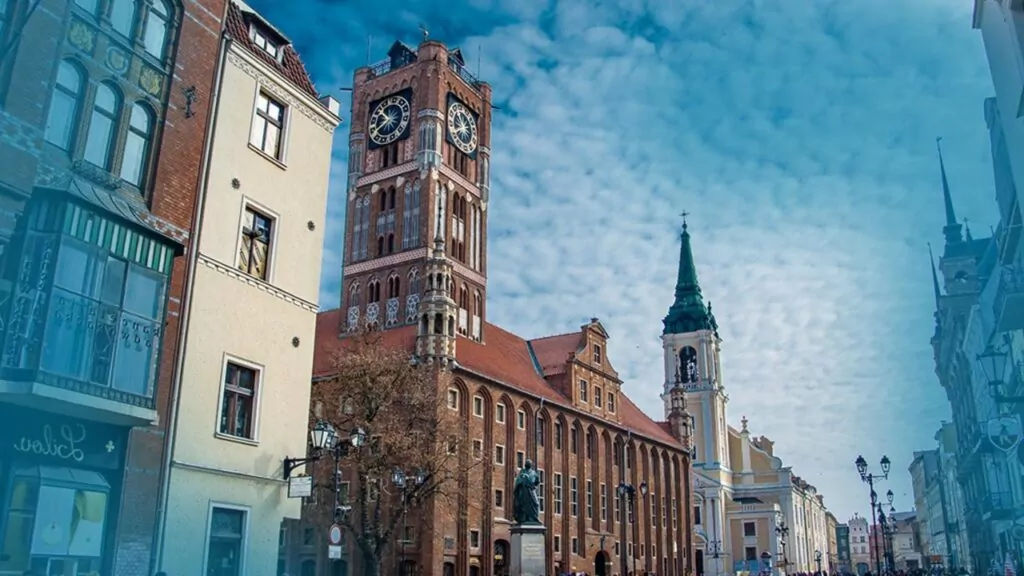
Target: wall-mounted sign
[(59, 440), (300, 486)]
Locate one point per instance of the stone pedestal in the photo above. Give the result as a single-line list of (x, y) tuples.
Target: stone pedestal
[(527, 554)]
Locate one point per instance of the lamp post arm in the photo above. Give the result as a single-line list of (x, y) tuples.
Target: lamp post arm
[(290, 464)]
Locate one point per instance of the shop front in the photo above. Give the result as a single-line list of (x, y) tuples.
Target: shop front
[(60, 481)]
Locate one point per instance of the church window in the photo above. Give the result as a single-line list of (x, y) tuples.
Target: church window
[(394, 286), (597, 353), (584, 390), (380, 246), (389, 155), (354, 295), (453, 399), (478, 406), (598, 396), (360, 228), (540, 490), (373, 289), (540, 430), (688, 369), (411, 216), (499, 413), (611, 402)]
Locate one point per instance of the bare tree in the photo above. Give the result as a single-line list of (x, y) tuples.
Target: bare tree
[(411, 435), (12, 26)]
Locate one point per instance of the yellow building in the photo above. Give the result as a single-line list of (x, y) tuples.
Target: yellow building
[(751, 511)]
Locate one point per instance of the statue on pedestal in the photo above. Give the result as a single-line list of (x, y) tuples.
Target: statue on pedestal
[(526, 501)]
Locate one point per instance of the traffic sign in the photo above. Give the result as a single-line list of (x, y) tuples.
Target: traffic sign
[(334, 536)]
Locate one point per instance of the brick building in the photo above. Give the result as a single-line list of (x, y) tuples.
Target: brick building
[(103, 117), (416, 268)]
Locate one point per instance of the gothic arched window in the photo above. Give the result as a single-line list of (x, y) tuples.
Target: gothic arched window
[(63, 116), (99, 141), (688, 367), (137, 144)]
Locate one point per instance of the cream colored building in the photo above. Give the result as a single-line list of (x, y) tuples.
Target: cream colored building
[(745, 498), (243, 394), (831, 523), (860, 545)]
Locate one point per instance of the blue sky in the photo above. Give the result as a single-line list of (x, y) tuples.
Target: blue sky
[(799, 135)]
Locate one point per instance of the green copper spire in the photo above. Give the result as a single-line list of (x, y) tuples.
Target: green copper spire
[(688, 312), (952, 230)]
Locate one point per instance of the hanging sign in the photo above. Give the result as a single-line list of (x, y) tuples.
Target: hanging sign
[(1005, 432), (300, 486)]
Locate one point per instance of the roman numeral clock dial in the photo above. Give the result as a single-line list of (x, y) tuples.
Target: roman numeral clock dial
[(462, 127), (389, 120)]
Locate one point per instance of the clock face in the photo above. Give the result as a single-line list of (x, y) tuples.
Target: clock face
[(389, 120), (462, 127)]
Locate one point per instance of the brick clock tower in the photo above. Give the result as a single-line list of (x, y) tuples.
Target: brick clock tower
[(416, 226)]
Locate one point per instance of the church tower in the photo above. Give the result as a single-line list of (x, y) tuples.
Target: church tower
[(418, 184), (692, 348)]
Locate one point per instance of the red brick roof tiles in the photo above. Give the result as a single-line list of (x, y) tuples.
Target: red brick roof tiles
[(290, 66), (505, 359)]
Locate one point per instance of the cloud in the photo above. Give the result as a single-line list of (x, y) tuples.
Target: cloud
[(799, 135)]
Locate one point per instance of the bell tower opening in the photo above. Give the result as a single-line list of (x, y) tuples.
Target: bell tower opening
[(419, 154)]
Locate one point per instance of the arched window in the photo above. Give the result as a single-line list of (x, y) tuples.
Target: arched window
[(136, 145), (99, 141), (380, 245), (122, 16), (158, 20), (391, 198), (67, 93), (391, 243), (383, 202)]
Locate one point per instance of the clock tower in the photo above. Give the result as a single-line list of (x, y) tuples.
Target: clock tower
[(417, 191)]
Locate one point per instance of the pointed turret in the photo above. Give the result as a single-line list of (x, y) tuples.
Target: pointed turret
[(435, 339), (952, 229), (688, 312)]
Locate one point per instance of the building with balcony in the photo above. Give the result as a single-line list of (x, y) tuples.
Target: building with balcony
[(251, 319), (101, 139)]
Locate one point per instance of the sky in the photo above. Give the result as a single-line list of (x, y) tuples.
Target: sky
[(800, 137)]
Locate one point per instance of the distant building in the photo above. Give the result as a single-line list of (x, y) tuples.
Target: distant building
[(844, 562), (861, 559), (831, 524), (958, 550)]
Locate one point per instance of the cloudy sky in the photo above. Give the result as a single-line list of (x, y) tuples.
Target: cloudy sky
[(799, 135)]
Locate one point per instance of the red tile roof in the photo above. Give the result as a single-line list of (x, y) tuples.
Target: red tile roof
[(505, 359), (290, 66)]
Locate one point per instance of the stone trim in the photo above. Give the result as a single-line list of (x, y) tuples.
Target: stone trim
[(258, 284), (388, 261), (274, 86)]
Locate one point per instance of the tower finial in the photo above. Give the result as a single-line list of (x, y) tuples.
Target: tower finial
[(684, 214), (952, 229), (425, 32)]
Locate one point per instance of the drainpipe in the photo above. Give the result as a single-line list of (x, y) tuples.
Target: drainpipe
[(202, 184)]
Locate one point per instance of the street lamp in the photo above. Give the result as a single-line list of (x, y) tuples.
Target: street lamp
[(817, 560), (993, 365), (870, 478), (782, 532), (324, 439), (404, 482), (627, 497), (766, 561)]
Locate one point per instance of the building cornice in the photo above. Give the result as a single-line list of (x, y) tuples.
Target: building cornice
[(281, 87), (254, 283)]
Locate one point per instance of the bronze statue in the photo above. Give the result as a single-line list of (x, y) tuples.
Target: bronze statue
[(526, 502)]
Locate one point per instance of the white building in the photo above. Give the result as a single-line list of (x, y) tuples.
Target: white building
[(243, 389), (860, 545)]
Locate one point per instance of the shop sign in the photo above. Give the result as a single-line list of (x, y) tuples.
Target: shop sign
[(62, 440)]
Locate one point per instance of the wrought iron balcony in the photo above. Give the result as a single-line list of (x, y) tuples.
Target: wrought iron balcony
[(1009, 302)]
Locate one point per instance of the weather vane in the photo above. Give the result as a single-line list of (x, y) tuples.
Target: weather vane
[(426, 33), (684, 214)]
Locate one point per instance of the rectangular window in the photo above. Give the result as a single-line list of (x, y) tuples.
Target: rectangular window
[(238, 404), (617, 504), (453, 445), (478, 406), (590, 499), (750, 552), (558, 493), (629, 549), (521, 420), (749, 529), (574, 440), (611, 402), (499, 454), (474, 538), (604, 503), (520, 459), (584, 391), (499, 498), (227, 531), (598, 396), (574, 496), (255, 248), (268, 126), (557, 543), (675, 514), (597, 353), (590, 446), (478, 449), (499, 413), (261, 42), (664, 511), (558, 435), (575, 546), (453, 399)]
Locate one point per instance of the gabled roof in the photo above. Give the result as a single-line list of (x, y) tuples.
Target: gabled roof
[(240, 17), (554, 352), (505, 359)]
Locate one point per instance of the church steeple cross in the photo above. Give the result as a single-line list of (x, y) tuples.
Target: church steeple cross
[(683, 215)]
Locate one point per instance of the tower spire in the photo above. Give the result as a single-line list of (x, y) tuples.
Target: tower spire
[(688, 312), (952, 228), (935, 277)]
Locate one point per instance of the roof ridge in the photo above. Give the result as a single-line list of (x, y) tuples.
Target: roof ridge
[(576, 333)]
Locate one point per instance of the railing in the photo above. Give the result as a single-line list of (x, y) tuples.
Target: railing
[(466, 75)]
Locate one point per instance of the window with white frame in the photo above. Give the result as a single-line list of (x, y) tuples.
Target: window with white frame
[(478, 406), (257, 243), (478, 449), (499, 454), (604, 502), (584, 391), (226, 540), (590, 499), (574, 496), (453, 399), (238, 401), (557, 492), (260, 39), (499, 413), (268, 126), (521, 419)]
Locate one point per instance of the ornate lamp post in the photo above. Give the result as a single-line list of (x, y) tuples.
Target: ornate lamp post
[(870, 478), (766, 562), (993, 365), (403, 482), (627, 496), (782, 533)]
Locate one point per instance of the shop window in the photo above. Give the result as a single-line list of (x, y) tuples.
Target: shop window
[(227, 529)]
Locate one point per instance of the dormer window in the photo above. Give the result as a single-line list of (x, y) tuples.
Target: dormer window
[(263, 43)]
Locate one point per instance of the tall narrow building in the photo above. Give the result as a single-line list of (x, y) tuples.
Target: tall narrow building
[(250, 314)]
